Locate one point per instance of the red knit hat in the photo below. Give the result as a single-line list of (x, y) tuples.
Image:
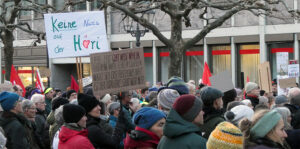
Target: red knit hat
[(188, 106)]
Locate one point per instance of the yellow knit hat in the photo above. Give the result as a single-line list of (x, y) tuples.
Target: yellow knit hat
[(225, 136)]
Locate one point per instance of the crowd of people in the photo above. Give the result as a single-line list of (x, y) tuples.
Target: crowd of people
[(177, 114)]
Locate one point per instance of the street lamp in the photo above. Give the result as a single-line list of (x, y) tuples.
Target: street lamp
[(129, 25)]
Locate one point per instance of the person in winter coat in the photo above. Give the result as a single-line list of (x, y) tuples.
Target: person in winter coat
[(252, 93), (265, 131), (226, 136), (29, 110), (292, 134), (125, 98), (294, 107), (182, 125), (73, 134), (114, 110), (42, 127), (12, 122), (98, 136), (54, 126), (213, 113), (148, 131)]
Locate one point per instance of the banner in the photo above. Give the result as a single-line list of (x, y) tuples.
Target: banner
[(118, 71), (293, 70), (282, 61), (75, 34)]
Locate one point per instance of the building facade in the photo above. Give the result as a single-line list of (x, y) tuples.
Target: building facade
[(239, 45)]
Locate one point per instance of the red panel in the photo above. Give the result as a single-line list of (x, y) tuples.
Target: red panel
[(148, 55), (164, 54), (194, 53), (250, 51), (275, 50), (220, 52), (24, 71), (3, 71)]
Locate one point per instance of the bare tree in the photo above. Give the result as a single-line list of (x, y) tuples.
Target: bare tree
[(179, 13), (9, 13)]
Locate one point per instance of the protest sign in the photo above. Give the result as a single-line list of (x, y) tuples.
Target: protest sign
[(293, 70), (264, 75), (222, 81), (286, 83), (6, 87), (75, 34), (87, 81), (118, 71)]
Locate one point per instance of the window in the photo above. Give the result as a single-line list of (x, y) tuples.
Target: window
[(221, 58)]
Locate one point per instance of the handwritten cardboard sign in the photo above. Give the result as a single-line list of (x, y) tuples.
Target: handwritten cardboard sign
[(6, 87), (75, 34), (264, 75), (286, 83), (118, 71), (222, 81)]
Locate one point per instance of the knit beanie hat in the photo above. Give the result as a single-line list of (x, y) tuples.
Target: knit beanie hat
[(106, 98), (87, 101), (113, 106), (8, 100), (209, 95), (281, 99), (167, 97), (69, 92), (178, 84), (188, 107), (238, 113), (146, 117), (250, 86), (265, 124), (57, 102), (225, 136), (73, 113)]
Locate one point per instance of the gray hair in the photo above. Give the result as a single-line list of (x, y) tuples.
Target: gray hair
[(37, 98), (285, 113), (58, 115), (26, 104)]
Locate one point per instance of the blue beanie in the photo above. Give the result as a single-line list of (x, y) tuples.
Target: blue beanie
[(178, 84), (146, 117), (8, 100)]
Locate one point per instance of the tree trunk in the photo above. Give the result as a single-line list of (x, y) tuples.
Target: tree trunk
[(176, 51), (7, 39)]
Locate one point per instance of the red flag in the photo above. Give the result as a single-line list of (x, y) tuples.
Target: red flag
[(206, 74), (248, 80), (15, 79), (74, 85), (39, 84)]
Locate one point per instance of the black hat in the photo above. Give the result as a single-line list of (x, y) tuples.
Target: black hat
[(58, 101), (209, 95), (73, 113), (69, 93), (87, 101)]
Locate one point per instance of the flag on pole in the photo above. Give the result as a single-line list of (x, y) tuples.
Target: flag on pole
[(39, 83), (74, 85), (15, 79), (248, 80), (206, 74)]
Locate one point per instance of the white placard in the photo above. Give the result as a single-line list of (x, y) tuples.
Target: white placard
[(75, 34), (282, 60), (87, 81), (293, 70)]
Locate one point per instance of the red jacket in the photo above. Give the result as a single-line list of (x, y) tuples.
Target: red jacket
[(143, 139), (72, 139)]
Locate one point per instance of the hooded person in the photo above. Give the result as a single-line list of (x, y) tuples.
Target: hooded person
[(73, 133), (12, 122), (182, 125), (148, 131), (225, 136), (213, 109), (252, 93), (97, 134)]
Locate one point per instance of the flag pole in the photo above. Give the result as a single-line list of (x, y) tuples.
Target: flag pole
[(78, 72), (80, 78)]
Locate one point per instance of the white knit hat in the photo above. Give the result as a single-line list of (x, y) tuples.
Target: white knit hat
[(250, 86), (240, 112), (106, 98)]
